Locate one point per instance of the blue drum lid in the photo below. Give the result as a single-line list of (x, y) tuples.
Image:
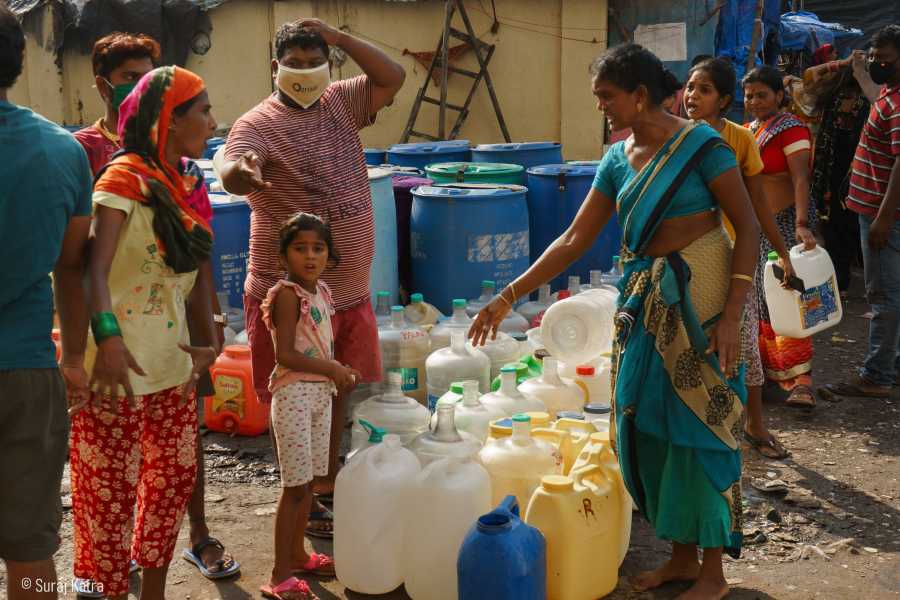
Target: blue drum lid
[(443, 147), (516, 147), (223, 202), (569, 170), (470, 190)]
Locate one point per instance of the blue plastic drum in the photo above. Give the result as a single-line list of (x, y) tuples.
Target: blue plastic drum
[(555, 193), (462, 234), (527, 154), (231, 245), (212, 145), (424, 154), (374, 156), (385, 273)]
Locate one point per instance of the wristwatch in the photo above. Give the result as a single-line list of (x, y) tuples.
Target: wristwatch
[(220, 319)]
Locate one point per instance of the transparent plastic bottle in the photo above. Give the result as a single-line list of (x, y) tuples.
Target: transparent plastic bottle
[(574, 288), (453, 395), (596, 280), (487, 293), (502, 351), (421, 313), (459, 362), (445, 440), (440, 333), (509, 399), (614, 274), (382, 308), (392, 412), (517, 463), (404, 350)]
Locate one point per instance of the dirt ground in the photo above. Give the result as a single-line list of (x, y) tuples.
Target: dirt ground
[(835, 534)]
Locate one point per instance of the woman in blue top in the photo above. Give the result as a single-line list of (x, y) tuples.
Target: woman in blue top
[(677, 391)]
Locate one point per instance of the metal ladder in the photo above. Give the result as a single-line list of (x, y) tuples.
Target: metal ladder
[(483, 52)]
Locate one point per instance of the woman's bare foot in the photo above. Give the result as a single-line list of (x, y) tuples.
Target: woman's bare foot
[(706, 589), (673, 570)]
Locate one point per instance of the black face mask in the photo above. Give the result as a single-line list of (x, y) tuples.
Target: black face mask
[(881, 72)]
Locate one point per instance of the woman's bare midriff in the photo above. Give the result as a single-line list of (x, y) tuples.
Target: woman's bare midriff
[(680, 232), (779, 191)]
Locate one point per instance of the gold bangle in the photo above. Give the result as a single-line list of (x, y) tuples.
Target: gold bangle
[(512, 288), (502, 297), (742, 277)]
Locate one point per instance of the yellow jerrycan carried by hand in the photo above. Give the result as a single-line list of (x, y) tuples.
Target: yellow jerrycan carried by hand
[(580, 434), (599, 452), (579, 517)]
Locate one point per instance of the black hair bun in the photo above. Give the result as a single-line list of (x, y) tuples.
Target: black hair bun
[(670, 82)]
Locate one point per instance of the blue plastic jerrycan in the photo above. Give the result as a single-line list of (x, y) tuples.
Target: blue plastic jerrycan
[(502, 558)]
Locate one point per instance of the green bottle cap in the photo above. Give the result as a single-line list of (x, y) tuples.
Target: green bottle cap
[(520, 418), (773, 255), (487, 283), (383, 294), (395, 309), (456, 387), (510, 368), (459, 303), (417, 298), (376, 434), (615, 259)]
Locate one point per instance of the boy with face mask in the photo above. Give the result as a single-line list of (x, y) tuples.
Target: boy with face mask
[(875, 195), (119, 61), (299, 151)]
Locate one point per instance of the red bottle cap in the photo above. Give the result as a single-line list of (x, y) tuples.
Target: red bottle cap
[(563, 294), (586, 370)]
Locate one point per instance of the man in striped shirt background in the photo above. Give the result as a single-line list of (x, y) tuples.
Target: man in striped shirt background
[(299, 150), (875, 194)]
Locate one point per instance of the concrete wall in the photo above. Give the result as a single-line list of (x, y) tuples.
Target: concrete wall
[(540, 78)]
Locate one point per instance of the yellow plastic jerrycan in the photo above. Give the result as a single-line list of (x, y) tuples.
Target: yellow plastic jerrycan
[(580, 434), (562, 441), (599, 452), (579, 517)]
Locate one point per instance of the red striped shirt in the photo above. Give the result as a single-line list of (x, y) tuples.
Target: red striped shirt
[(314, 160), (878, 149)]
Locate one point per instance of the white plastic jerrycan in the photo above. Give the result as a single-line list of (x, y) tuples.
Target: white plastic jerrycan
[(440, 333), (421, 313), (598, 452), (404, 349), (579, 329), (517, 463), (448, 497), (391, 411), (531, 309), (444, 439), (579, 518), (556, 394), (459, 362), (509, 399), (370, 496), (470, 415), (502, 351), (818, 307)]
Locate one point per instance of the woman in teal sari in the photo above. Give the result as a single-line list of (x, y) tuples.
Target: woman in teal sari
[(677, 391)]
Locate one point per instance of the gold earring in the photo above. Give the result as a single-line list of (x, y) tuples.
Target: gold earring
[(640, 107)]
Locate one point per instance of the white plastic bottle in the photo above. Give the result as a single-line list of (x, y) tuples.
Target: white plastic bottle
[(421, 313), (371, 494), (819, 307), (487, 294), (391, 411), (448, 497), (502, 351), (440, 333), (459, 362), (445, 440), (595, 278), (552, 391), (595, 386), (510, 399), (578, 330), (470, 415), (404, 350), (529, 310)]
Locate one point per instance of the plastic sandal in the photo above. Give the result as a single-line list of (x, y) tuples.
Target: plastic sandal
[(292, 586), (318, 564), (228, 567)]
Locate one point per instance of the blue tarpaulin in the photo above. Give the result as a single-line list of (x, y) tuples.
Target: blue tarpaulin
[(804, 31), (734, 35)]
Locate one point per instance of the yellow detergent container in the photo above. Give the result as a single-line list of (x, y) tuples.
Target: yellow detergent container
[(517, 463), (562, 441), (502, 428), (599, 452), (579, 517)]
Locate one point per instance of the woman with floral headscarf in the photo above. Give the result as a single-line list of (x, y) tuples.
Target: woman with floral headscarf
[(134, 442)]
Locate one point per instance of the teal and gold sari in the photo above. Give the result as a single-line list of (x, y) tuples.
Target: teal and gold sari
[(677, 415)]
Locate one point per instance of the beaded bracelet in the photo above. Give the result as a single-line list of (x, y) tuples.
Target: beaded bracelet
[(104, 325)]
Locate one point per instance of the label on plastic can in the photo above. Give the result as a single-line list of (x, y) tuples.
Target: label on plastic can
[(409, 378), (818, 304)]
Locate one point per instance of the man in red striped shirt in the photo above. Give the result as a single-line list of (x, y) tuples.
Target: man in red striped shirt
[(875, 194), (299, 150)]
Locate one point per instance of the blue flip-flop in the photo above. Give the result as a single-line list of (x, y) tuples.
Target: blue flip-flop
[(193, 556)]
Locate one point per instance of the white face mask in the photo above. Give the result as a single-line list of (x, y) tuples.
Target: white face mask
[(304, 86)]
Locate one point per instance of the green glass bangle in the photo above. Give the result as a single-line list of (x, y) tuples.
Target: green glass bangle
[(104, 325)]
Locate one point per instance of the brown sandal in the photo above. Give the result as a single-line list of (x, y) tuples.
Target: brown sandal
[(778, 451), (802, 396)]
